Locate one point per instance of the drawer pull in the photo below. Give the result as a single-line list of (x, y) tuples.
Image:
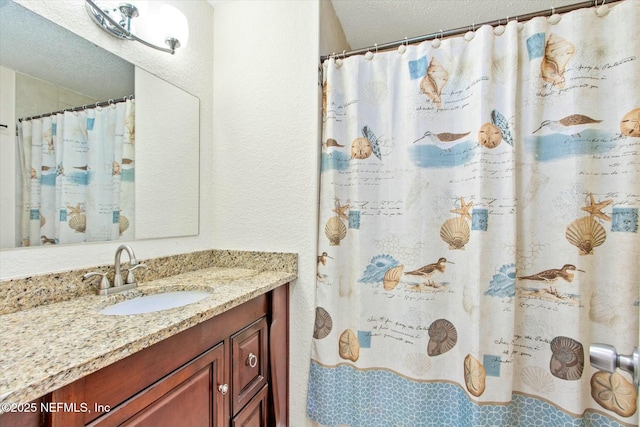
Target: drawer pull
[(223, 388), (252, 361)]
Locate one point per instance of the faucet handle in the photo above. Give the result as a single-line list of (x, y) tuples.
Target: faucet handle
[(104, 283), (130, 278)]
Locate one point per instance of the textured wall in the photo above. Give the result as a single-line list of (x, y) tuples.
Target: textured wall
[(190, 69), (266, 149)]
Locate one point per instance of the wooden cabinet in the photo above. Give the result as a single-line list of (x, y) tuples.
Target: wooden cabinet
[(249, 354), (185, 398), (255, 413), (231, 370)]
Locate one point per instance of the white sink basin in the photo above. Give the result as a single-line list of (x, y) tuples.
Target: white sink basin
[(155, 302)]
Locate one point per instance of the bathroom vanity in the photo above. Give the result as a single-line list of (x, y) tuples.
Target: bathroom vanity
[(227, 371), (221, 361)]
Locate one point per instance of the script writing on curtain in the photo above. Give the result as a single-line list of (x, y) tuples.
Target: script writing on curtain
[(479, 212)]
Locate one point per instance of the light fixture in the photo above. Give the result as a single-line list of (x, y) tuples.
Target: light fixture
[(118, 23)]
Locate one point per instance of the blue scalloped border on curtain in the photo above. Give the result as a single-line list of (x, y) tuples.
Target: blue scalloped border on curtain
[(375, 398)]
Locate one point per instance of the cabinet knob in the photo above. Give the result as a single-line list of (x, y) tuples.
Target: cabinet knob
[(252, 361), (223, 388)]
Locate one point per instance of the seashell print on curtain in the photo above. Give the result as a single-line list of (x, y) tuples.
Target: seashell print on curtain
[(78, 175), (478, 228)]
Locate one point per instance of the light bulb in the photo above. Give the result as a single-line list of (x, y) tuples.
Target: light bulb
[(173, 24)]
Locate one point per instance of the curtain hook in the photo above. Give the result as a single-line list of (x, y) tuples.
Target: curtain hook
[(498, 30), (520, 25), (554, 18), (602, 10), (436, 42), (337, 61), (469, 35), (369, 55), (403, 47)]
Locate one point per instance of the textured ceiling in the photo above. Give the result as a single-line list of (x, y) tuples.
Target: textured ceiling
[(367, 22), (35, 46)]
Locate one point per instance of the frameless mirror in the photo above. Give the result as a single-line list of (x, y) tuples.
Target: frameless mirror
[(39, 57), (167, 190)]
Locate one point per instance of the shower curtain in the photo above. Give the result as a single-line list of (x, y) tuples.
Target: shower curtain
[(78, 175), (478, 228)]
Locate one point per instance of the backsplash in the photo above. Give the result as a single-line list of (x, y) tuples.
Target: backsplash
[(28, 292)]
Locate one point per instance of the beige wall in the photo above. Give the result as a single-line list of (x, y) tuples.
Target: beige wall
[(266, 142), (35, 96), (332, 38)]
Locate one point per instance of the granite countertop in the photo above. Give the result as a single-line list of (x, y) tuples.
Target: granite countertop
[(46, 347)]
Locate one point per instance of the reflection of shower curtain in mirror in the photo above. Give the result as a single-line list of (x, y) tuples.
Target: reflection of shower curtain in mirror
[(479, 228), (78, 175)]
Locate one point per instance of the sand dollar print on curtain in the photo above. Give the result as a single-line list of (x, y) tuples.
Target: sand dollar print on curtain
[(479, 228)]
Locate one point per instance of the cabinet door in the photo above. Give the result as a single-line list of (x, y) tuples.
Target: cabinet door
[(249, 363), (187, 397), (255, 413), (189, 404)]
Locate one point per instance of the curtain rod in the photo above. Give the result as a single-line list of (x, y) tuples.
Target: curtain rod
[(84, 107), (462, 30)]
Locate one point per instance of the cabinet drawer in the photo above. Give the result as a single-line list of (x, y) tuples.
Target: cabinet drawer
[(249, 363), (255, 413)]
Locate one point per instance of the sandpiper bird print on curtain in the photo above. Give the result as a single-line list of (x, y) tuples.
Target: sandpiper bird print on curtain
[(494, 238)]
